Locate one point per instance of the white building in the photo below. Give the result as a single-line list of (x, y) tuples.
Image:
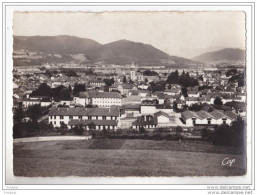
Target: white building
[(101, 99), (100, 117)]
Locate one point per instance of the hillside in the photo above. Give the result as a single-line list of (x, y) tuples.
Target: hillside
[(62, 44), (224, 55), (123, 52), (118, 52)]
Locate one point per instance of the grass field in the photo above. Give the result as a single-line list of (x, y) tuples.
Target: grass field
[(125, 158)]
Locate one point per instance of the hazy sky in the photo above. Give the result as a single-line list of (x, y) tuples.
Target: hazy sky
[(173, 32)]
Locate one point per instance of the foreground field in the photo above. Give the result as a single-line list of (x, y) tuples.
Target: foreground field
[(125, 158)]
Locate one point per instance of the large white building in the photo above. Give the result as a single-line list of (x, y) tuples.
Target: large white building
[(101, 99), (100, 117)]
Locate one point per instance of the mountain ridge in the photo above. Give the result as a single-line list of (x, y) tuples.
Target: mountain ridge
[(223, 55), (118, 52)]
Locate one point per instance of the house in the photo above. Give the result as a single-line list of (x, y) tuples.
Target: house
[(215, 117), (133, 99), (131, 110), (30, 102), (242, 96), (80, 99), (194, 100), (146, 121), (99, 118), (193, 93), (143, 86), (141, 93), (162, 117), (103, 99), (97, 83), (126, 87), (45, 102), (172, 91), (114, 87)]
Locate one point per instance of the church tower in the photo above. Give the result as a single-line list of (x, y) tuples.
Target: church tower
[(133, 72)]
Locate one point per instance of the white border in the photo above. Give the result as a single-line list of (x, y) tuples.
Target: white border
[(71, 180)]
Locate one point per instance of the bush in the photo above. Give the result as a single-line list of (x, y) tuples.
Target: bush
[(77, 130)]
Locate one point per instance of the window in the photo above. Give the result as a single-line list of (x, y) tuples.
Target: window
[(96, 117), (51, 117), (70, 117), (55, 122), (224, 122), (209, 122)]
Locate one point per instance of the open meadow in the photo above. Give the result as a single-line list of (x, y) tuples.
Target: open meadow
[(121, 157)]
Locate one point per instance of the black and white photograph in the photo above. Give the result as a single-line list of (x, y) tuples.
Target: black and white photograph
[(129, 94)]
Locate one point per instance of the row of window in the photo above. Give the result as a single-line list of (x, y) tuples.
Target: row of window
[(89, 117)]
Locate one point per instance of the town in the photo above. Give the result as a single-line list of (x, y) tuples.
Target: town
[(113, 98)]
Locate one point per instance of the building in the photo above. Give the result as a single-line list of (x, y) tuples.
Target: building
[(133, 76), (100, 99), (30, 102), (99, 118), (215, 117), (97, 83)]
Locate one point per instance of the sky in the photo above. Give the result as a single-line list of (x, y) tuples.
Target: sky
[(176, 33)]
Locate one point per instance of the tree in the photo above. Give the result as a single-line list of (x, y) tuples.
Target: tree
[(78, 87), (141, 129), (218, 101), (78, 130), (34, 113), (173, 78), (18, 115), (71, 73), (184, 91), (175, 105), (178, 130), (150, 73), (146, 80), (234, 135), (124, 79), (63, 128), (91, 126), (43, 90)]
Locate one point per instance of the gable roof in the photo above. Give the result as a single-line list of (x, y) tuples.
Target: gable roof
[(83, 112), (161, 113), (97, 94)]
